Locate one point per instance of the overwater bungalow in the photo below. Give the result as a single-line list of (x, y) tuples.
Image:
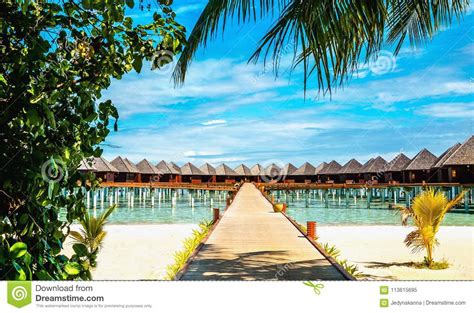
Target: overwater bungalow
[(350, 172), (374, 170), (257, 172), (394, 169), (209, 172), (176, 170), (460, 165), (191, 174), (419, 169), (148, 172), (86, 166), (329, 173), (287, 172), (273, 173), (244, 172), (304, 174), (127, 171), (167, 174), (438, 169), (225, 174), (104, 170)]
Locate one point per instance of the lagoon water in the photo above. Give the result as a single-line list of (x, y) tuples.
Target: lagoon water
[(353, 212), (184, 210), (188, 207)]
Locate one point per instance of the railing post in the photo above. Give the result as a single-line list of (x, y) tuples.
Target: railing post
[(311, 229), (216, 215)]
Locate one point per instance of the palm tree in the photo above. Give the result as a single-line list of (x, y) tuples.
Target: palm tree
[(427, 211), (92, 233), (328, 38)]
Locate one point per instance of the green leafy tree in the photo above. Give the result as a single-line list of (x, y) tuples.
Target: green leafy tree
[(56, 59), (328, 38)]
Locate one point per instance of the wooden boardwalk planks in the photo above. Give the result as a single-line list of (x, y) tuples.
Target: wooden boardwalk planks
[(253, 243)]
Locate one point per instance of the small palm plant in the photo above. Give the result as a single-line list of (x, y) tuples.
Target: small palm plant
[(427, 211), (92, 233)]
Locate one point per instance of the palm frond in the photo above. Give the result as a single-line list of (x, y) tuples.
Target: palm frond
[(327, 38)]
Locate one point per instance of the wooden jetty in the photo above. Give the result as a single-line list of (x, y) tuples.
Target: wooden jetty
[(251, 242)]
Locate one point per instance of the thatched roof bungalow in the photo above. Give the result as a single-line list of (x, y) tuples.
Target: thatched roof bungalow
[(394, 168), (460, 164), (374, 170), (148, 172), (244, 172), (350, 172), (127, 171), (419, 169), (328, 174), (225, 174), (209, 172), (272, 173), (440, 173), (191, 174), (287, 172), (167, 172), (257, 172), (306, 173), (104, 170)]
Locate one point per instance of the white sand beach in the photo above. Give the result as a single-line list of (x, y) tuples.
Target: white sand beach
[(380, 253), (134, 252)]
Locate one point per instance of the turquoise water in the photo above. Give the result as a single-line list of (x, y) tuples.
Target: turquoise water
[(338, 212), (183, 210)]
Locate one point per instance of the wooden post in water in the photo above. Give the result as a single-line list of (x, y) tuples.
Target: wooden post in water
[(216, 215), (311, 229)]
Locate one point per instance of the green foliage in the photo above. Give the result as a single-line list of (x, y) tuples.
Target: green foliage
[(331, 250), (329, 39), (334, 252), (57, 58), (427, 211), (88, 241), (189, 245)]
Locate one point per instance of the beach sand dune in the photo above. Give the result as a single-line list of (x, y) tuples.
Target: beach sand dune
[(380, 253)]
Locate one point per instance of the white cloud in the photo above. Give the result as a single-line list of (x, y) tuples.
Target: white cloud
[(448, 110), (214, 122), (189, 8)]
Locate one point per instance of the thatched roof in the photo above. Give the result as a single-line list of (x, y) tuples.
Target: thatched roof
[(272, 170), (424, 160), (256, 170), (243, 170), (398, 163), (351, 167), (102, 165), (124, 165), (163, 168), (331, 168), (208, 169), (446, 155), (146, 167), (320, 167), (307, 169), (464, 155), (224, 170), (191, 169), (376, 166), (87, 165), (288, 169), (175, 169)]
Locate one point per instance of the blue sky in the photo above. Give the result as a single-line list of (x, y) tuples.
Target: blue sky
[(233, 112)]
